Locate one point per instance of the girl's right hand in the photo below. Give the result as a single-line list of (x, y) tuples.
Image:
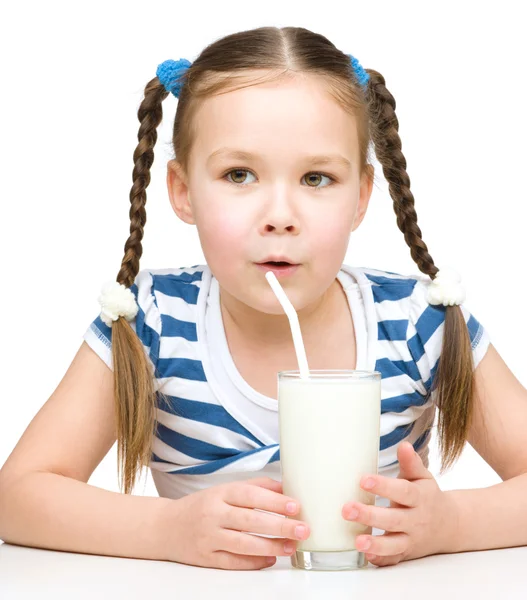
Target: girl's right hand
[(209, 528)]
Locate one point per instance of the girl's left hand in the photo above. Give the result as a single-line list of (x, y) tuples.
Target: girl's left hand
[(421, 519)]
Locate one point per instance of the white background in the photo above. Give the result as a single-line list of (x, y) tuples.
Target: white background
[(72, 80)]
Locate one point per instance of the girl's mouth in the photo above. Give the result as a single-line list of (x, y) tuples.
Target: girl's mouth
[(280, 269)]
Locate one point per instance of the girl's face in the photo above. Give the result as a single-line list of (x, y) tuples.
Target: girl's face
[(280, 200)]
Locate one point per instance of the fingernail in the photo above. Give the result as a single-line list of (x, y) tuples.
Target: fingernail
[(353, 513), (364, 544), (300, 532), (369, 484), (271, 560), (291, 507), (289, 547)]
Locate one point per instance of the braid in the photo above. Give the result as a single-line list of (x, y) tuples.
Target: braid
[(453, 381), (149, 114), (134, 394), (385, 135)]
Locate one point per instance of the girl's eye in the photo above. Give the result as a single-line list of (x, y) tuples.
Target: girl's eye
[(238, 174), (316, 179), (313, 176)]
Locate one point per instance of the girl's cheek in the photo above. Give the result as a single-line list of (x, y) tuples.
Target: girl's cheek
[(223, 239)]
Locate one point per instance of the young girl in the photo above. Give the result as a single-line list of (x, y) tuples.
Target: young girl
[(271, 140)]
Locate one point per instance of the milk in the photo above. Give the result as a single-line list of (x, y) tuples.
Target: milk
[(329, 439)]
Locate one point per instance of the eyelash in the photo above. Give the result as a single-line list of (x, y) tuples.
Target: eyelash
[(317, 188)]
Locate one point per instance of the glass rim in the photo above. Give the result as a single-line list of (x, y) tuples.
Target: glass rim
[(321, 373)]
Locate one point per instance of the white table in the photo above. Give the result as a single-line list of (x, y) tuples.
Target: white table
[(40, 574)]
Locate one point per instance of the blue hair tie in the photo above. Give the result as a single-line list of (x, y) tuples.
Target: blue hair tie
[(170, 73), (361, 74)]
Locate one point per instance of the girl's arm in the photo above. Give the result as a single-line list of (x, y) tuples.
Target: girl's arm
[(45, 500), (491, 517), (496, 516), (47, 510)]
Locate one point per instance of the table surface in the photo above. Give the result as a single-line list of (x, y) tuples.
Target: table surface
[(37, 573)]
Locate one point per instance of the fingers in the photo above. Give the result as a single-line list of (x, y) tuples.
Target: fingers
[(267, 482), (255, 496), (400, 491), (388, 544), (253, 521), (237, 542), (240, 562), (389, 519), (384, 561)]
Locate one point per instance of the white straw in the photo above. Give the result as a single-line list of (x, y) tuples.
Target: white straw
[(293, 323)]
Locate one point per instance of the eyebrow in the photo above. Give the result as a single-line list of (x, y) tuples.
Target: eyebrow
[(310, 159)]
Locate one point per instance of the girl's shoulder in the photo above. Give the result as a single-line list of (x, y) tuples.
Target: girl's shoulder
[(175, 282), (172, 275), (393, 290), (404, 313), (166, 305)]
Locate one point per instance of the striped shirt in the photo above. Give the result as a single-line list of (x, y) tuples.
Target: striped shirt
[(213, 427)]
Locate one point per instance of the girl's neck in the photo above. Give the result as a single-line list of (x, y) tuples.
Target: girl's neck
[(260, 330)]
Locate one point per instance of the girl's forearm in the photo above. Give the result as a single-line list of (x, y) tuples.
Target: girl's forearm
[(46, 510), (492, 517)]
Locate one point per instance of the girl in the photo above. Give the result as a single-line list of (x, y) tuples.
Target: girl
[(271, 139)]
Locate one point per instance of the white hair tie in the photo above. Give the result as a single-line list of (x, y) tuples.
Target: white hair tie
[(446, 288), (117, 301)]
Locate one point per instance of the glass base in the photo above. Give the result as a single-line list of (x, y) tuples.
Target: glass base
[(329, 561)]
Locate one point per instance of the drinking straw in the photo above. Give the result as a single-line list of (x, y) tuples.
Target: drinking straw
[(293, 323)]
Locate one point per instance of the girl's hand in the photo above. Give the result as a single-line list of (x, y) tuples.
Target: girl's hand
[(421, 519), (209, 528)]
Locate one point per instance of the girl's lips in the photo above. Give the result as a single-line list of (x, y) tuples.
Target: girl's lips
[(279, 271)]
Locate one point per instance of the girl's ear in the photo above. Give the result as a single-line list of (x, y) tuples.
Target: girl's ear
[(366, 187), (178, 192)]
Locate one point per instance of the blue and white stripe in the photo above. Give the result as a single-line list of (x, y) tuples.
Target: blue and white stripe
[(198, 441)]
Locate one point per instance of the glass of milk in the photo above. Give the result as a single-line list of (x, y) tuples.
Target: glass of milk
[(329, 438)]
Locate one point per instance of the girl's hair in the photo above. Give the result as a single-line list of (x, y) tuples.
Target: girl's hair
[(229, 64)]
